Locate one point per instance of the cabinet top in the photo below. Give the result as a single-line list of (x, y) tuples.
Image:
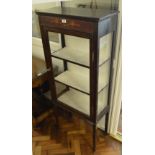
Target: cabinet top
[(79, 13)]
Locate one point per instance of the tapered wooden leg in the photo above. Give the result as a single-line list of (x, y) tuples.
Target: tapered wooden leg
[(56, 128), (56, 116), (94, 137), (57, 121), (106, 122)]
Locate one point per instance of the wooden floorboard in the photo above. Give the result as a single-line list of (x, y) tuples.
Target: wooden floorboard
[(71, 140), (74, 137)]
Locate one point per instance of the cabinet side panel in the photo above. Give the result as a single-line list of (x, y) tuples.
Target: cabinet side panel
[(108, 25), (105, 48)]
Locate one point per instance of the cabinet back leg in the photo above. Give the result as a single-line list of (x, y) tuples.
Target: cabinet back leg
[(94, 137), (106, 122)]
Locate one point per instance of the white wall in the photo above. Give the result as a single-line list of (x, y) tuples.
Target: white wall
[(45, 5), (45, 1), (37, 49), (100, 3)]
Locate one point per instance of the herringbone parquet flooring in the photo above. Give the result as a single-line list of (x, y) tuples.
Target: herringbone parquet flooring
[(72, 138)]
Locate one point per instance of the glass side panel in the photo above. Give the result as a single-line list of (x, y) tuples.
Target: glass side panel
[(105, 48), (102, 100), (101, 123), (103, 78), (104, 71)]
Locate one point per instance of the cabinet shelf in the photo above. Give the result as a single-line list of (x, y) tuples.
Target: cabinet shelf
[(73, 56), (80, 101), (74, 80), (78, 57), (79, 81)]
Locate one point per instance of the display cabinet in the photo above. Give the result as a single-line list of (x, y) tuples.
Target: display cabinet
[(88, 45)]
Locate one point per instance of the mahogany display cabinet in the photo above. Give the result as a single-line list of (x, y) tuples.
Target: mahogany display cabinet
[(88, 39)]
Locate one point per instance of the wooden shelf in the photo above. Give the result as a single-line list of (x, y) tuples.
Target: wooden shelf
[(80, 101), (75, 80), (76, 100), (80, 57), (79, 80), (72, 55), (59, 89)]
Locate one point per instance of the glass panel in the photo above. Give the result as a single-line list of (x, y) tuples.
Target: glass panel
[(105, 48), (35, 25), (73, 73), (54, 37), (104, 71), (76, 77), (102, 100), (36, 29), (101, 123), (76, 100), (76, 50)]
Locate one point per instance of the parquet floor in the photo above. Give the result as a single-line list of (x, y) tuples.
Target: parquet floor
[(72, 138)]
